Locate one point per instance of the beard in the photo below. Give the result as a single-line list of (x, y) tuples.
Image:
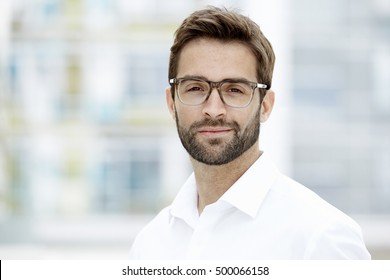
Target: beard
[(218, 151)]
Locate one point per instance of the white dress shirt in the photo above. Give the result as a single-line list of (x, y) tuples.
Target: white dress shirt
[(264, 215)]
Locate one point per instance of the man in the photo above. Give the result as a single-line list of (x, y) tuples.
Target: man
[(236, 204)]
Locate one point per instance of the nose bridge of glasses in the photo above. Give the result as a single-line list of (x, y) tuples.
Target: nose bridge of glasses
[(217, 86), (212, 86)]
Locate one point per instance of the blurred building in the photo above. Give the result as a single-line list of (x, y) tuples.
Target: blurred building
[(341, 101), (85, 128)]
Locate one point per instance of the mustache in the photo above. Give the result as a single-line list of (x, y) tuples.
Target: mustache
[(214, 123)]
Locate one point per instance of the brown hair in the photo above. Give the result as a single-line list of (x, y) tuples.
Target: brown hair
[(224, 25)]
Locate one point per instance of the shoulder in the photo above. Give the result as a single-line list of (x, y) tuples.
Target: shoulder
[(160, 221), (305, 203), (305, 206), (147, 236), (329, 232)]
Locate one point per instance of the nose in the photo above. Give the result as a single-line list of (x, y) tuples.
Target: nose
[(214, 107)]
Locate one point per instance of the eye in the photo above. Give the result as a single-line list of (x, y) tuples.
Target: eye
[(193, 87), (234, 89)]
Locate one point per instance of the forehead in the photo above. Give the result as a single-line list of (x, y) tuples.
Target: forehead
[(217, 60)]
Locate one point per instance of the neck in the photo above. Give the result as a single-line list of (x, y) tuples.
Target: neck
[(214, 180)]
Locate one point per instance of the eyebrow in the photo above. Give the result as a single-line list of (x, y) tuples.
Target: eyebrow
[(238, 79)]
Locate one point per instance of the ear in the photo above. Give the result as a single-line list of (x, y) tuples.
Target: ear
[(170, 102), (267, 105)]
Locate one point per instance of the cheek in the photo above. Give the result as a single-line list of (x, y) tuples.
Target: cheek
[(186, 116), (245, 117)]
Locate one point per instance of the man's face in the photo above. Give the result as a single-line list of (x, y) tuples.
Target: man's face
[(214, 133)]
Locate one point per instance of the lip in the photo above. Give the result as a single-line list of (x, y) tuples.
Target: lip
[(214, 131)]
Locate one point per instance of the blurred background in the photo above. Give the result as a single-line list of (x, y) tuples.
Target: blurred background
[(89, 153)]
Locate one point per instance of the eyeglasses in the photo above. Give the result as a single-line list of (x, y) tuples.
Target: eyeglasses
[(233, 92)]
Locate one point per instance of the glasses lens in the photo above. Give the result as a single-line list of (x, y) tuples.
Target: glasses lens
[(193, 92), (236, 94)]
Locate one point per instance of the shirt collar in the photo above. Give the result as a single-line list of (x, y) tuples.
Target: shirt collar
[(247, 193), (185, 204), (250, 190)]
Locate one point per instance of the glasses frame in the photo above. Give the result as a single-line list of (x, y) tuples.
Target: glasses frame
[(254, 85)]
